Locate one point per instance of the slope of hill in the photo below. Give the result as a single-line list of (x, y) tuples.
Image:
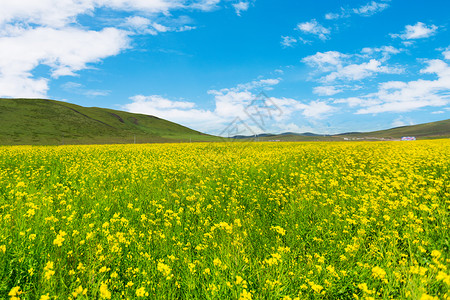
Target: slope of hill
[(49, 122), (428, 130), (433, 130)]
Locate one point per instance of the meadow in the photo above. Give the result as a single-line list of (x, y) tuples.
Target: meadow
[(226, 221)]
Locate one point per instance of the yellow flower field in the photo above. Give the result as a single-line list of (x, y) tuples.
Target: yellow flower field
[(226, 221)]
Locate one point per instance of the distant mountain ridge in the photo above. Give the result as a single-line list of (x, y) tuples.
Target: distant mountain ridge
[(50, 122), (439, 129), (272, 135)]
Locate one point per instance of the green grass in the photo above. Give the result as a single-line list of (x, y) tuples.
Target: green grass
[(49, 122)]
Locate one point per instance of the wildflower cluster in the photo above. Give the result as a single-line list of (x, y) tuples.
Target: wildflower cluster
[(226, 221)]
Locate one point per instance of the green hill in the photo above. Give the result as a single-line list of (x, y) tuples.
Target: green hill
[(433, 130), (49, 122), (428, 130)]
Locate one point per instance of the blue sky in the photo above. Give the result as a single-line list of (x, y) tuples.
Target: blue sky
[(325, 66)]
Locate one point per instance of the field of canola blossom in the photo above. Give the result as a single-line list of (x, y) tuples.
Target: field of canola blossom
[(226, 221)]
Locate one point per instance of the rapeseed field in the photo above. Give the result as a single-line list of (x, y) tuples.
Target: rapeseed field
[(226, 221)]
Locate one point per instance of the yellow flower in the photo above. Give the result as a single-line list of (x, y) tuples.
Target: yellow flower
[(20, 184), (444, 277), (316, 287), (213, 288), (59, 239), (104, 292), (140, 292), (245, 295), (217, 262), (278, 229), (49, 265), (79, 290), (378, 272), (31, 212), (417, 270), (436, 254), (48, 274), (428, 297), (363, 287), (163, 268), (49, 270), (15, 291), (45, 297)]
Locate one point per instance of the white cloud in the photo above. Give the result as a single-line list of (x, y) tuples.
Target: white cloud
[(49, 32), (438, 112), (59, 13), (23, 85), (63, 58), (288, 41), (333, 16), (326, 90), (241, 6), (159, 102), (141, 25), (185, 28), (352, 101), (160, 28), (311, 110), (231, 103), (402, 121), (360, 71), (371, 8), (399, 96), (78, 88), (386, 51), (314, 28), (317, 109), (418, 31), (446, 53), (366, 10), (351, 67), (205, 5), (291, 127), (137, 23), (265, 84), (325, 61), (182, 112)]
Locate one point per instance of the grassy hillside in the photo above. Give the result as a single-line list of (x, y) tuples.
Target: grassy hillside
[(49, 122), (427, 130), (433, 130)]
